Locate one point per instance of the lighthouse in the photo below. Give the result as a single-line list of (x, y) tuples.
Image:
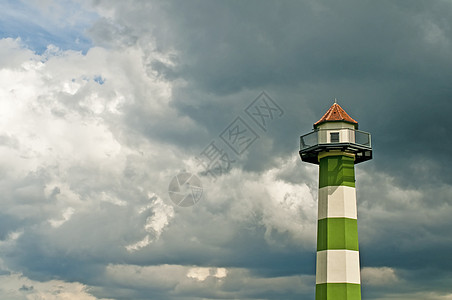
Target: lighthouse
[(336, 145)]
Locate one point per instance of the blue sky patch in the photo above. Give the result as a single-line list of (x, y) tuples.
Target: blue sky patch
[(63, 24)]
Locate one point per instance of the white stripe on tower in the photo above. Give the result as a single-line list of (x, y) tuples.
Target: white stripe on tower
[(337, 202), (338, 266)]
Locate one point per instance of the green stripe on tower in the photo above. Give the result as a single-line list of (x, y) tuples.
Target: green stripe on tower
[(337, 233), (338, 291), (337, 170), (337, 275)]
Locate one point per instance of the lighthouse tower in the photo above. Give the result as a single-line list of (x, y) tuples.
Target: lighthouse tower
[(336, 145)]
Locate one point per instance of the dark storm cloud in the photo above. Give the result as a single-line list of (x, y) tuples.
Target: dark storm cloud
[(389, 64), (7, 224)]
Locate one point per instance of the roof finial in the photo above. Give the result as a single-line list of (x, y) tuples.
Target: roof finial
[(335, 100)]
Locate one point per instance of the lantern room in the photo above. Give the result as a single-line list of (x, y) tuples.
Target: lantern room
[(335, 132)]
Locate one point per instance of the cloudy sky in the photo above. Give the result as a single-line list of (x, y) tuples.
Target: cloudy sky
[(103, 103)]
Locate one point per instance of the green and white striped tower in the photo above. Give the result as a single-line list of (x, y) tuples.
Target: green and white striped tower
[(336, 145)]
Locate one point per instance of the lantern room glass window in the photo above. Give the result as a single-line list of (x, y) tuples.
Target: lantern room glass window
[(334, 137)]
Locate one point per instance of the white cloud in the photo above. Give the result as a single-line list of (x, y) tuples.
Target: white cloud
[(67, 147), (291, 207), (221, 273), (161, 215), (382, 276), (65, 217), (17, 286), (199, 274), (263, 199)]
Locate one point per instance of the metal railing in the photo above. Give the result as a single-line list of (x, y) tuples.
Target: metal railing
[(346, 135)]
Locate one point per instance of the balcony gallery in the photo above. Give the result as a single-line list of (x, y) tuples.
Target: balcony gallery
[(347, 140)]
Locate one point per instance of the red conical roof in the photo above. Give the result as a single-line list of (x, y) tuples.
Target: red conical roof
[(335, 114)]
